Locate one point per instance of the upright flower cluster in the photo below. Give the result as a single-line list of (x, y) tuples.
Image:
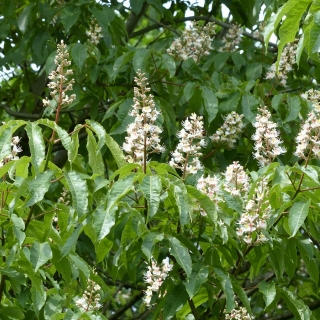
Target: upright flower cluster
[(194, 43), (154, 277), (94, 33), (288, 58), (143, 134), (230, 131), (236, 180), (308, 139), (90, 299), (59, 83), (267, 143), (15, 149), (238, 314), (232, 39), (186, 156), (314, 97), (257, 211), (211, 187)]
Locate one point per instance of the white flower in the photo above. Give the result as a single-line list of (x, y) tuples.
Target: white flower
[(194, 42), (232, 39), (267, 143), (230, 131), (186, 156)]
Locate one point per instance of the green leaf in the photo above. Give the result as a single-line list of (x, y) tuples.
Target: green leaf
[(40, 253), (210, 103), (69, 16), (249, 106), (38, 188), (80, 264), (38, 296), (169, 64), (227, 288), (233, 202), (149, 242), (104, 17), (5, 142), (204, 201), (230, 104), (136, 6), (297, 215), (188, 90), (254, 71), (18, 228), (297, 306), (238, 60), (239, 291), (220, 60), (79, 54), (71, 242), (192, 68), (115, 151), (79, 191), (181, 254), (151, 188), (141, 59), (24, 18), (36, 145), (269, 292), (294, 108), (120, 62), (104, 219), (102, 247), (198, 276), (95, 157), (174, 300), (12, 312)]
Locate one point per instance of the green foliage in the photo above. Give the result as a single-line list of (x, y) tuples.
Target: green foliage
[(80, 226)]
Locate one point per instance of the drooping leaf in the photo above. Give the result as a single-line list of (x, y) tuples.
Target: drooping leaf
[(69, 16), (151, 188), (174, 300), (79, 54), (24, 18), (210, 103), (181, 254), (104, 16), (95, 157), (297, 215), (40, 253), (140, 59), (227, 288), (198, 276), (38, 188), (36, 145), (79, 191), (269, 292), (80, 264)]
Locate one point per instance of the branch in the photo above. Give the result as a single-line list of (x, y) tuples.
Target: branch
[(22, 115), (273, 46), (128, 305), (134, 19)]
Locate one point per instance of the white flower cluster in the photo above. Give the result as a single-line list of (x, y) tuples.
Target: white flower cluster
[(314, 97), (143, 134), (64, 197), (232, 39), (238, 314), (94, 34), (257, 211), (194, 43), (267, 143), (230, 131), (210, 186), (154, 277), (308, 139), (90, 299), (236, 180), (186, 156), (288, 58), (14, 152), (59, 83)]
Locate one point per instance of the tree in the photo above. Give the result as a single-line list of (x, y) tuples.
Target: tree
[(156, 165)]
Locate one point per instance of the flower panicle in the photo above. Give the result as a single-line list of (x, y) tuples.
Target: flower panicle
[(238, 313), (253, 220), (229, 132), (194, 43), (232, 39), (287, 60), (266, 137), (191, 140), (143, 134), (59, 83), (94, 33), (154, 277)]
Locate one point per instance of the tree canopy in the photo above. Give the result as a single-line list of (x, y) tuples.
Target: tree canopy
[(159, 159)]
